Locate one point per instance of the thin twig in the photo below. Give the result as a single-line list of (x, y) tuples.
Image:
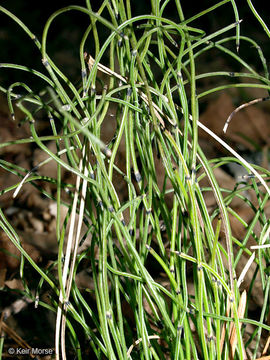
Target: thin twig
[(252, 102), (138, 341)]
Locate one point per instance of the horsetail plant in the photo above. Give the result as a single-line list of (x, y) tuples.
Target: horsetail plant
[(145, 75)]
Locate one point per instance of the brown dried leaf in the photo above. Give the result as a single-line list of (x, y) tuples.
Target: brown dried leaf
[(14, 284)]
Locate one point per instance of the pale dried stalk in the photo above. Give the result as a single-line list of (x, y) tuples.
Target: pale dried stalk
[(266, 346), (240, 312), (62, 305), (235, 154), (265, 246), (232, 331), (245, 270), (61, 152), (75, 245)]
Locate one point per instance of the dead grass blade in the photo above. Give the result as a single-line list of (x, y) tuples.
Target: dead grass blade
[(266, 345), (252, 102), (240, 312)]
